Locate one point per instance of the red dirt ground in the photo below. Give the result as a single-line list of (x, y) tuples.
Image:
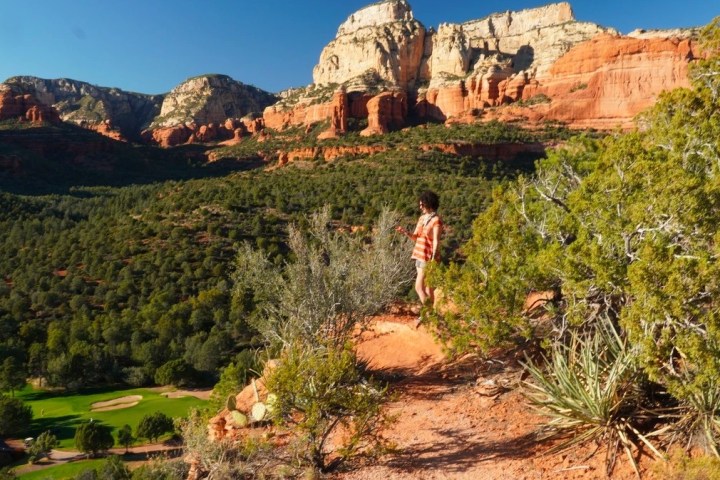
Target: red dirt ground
[(463, 419)]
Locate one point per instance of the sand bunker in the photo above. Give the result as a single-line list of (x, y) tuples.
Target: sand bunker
[(116, 403), (201, 394)]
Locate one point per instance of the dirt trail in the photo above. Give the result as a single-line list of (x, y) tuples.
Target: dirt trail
[(465, 419)]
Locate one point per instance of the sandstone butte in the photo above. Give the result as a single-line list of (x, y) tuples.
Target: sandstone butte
[(383, 65), (24, 107), (533, 65)]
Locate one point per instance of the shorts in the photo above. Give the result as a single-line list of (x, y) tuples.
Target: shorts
[(420, 264)]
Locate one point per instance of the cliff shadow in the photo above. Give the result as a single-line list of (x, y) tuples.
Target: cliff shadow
[(51, 160), (523, 58)]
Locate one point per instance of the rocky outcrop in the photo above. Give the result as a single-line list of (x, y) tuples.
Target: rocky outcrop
[(462, 72), (386, 112), (210, 99), (110, 111), (381, 43), (500, 151), (16, 105), (488, 62), (230, 131), (339, 118), (608, 80)]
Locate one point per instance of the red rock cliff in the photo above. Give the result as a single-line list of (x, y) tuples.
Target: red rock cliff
[(608, 80), (24, 107)]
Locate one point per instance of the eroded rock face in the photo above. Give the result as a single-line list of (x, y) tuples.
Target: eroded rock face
[(608, 80), (386, 112), (461, 70), (339, 119), (488, 62), (381, 43), (210, 99), (16, 105), (111, 111)]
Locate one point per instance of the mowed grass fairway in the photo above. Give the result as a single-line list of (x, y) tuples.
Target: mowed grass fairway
[(62, 412), (64, 471)]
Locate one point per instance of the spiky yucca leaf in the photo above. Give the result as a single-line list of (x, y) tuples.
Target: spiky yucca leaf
[(589, 390)]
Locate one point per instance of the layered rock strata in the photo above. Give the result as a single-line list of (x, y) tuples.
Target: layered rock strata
[(110, 111), (462, 72), (608, 80), (210, 99)]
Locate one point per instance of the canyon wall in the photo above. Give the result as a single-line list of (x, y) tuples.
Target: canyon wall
[(542, 61), (383, 65)]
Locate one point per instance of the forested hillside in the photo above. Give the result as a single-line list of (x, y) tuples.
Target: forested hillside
[(107, 284)]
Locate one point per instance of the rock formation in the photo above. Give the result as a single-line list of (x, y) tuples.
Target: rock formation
[(110, 111), (461, 72), (210, 99), (339, 119), (379, 43), (385, 112), (16, 105), (608, 80)]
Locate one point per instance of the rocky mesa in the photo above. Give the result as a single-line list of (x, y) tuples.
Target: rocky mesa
[(543, 61), (386, 68)]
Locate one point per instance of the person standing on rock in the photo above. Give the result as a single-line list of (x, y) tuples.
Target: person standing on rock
[(427, 244)]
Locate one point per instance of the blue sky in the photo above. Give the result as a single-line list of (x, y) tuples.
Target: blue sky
[(150, 46)]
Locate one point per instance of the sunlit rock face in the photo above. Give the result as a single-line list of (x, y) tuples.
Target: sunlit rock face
[(210, 99), (381, 43)]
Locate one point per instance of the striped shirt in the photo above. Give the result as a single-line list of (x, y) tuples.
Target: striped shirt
[(424, 237)]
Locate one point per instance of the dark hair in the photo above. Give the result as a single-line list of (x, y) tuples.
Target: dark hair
[(430, 200)]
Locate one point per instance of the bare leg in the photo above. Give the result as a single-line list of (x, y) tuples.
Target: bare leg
[(430, 295), (420, 288)]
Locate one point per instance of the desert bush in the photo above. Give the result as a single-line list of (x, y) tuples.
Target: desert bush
[(308, 311), (234, 377), (160, 468), (114, 469), (323, 394), (222, 459), (682, 467), (336, 281)]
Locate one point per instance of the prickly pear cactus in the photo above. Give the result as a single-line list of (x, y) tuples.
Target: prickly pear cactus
[(230, 404), (258, 412), (240, 419), (271, 403)]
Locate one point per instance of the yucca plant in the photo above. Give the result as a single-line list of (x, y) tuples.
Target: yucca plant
[(591, 389), (699, 420)]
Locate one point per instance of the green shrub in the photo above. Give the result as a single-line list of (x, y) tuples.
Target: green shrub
[(154, 425), (15, 416), (321, 391), (93, 437), (683, 467), (42, 446)]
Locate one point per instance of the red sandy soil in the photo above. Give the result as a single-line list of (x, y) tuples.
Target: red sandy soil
[(463, 419)]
